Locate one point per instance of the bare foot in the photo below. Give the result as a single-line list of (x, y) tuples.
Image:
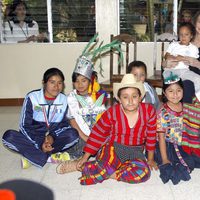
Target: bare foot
[(67, 167)]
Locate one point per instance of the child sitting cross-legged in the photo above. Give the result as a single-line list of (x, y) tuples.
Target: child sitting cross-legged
[(174, 163), (119, 138)]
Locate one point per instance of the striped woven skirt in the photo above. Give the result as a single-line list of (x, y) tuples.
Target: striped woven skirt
[(127, 162)]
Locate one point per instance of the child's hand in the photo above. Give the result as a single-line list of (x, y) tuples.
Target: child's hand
[(80, 164), (192, 61), (152, 164), (165, 161), (82, 161), (169, 63), (41, 37), (180, 58), (49, 139), (47, 144)]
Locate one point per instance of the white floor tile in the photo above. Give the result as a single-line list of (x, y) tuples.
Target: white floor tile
[(68, 187)]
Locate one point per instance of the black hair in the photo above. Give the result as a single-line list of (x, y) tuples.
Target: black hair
[(28, 19), (189, 25), (165, 86), (75, 75), (138, 64), (119, 91), (52, 72)]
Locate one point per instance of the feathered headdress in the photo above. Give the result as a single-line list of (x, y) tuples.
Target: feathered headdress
[(169, 77), (91, 53)]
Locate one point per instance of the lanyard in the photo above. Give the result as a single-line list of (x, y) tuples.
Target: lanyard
[(25, 33), (46, 118)]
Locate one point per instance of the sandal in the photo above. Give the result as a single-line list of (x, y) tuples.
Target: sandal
[(67, 167)]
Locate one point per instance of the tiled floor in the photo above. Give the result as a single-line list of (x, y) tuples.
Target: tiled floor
[(67, 186)]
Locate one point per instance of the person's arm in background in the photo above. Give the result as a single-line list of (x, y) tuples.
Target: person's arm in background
[(193, 62), (33, 32), (150, 144), (32, 38), (157, 100), (40, 37), (8, 33), (194, 59), (169, 63), (177, 58)]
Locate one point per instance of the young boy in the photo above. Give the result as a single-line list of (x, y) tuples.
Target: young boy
[(121, 135), (139, 70)]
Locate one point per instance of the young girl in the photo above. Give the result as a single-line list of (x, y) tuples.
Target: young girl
[(139, 70), (44, 128), (178, 50), (86, 104), (169, 155), (120, 136)]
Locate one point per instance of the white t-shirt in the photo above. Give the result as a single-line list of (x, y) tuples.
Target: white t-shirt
[(175, 49), (13, 33)]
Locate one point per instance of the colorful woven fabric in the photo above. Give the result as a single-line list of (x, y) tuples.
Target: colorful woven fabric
[(191, 133), (102, 168), (181, 158), (107, 163), (136, 171)]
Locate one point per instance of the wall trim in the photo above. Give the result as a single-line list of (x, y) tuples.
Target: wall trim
[(11, 102)]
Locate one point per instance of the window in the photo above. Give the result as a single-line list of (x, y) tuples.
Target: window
[(144, 18), (72, 20)]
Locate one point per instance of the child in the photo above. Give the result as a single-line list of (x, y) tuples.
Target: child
[(169, 153), (85, 107), (86, 101), (120, 136), (177, 50), (44, 128), (187, 16), (139, 70)]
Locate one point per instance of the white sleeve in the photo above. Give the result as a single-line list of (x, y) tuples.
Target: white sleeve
[(69, 114), (72, 106), (35, 29), (195, 52), (8, 33)]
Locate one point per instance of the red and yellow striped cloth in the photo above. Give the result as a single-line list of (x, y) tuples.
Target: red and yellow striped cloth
[(191, 132)]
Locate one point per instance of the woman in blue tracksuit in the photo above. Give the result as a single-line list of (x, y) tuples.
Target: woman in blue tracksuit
[(44, 128)]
